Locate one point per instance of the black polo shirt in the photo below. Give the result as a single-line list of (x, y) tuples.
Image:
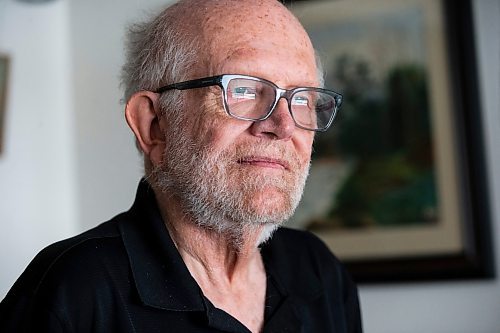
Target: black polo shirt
[(126, 275)]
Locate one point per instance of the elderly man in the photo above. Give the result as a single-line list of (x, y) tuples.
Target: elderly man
[(221, 99)]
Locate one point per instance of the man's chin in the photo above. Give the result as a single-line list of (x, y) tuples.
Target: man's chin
[(270, 214)]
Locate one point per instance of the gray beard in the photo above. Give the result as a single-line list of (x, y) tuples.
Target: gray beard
[(217, 193)]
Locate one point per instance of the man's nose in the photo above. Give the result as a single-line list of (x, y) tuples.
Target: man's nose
[(279, 126)]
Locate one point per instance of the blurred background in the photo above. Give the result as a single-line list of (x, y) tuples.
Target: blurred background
[(68, 160)]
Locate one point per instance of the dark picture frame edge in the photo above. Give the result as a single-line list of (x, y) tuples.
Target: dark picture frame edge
[(476, 260), (5, 60)]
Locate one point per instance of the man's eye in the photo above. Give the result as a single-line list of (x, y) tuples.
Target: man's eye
[(244, 93), (300, 101)]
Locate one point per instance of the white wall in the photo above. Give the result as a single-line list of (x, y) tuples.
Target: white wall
[(37, 190), (108, 166), (74, 164)]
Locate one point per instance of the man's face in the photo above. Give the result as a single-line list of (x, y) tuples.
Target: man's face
[(231, 173)]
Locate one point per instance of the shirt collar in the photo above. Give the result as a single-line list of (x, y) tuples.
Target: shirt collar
[(279, 258), (161, 277)]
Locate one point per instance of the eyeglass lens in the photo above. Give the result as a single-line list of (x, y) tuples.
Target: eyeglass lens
[(252, 100)]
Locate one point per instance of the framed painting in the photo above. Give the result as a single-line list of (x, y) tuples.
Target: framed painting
[(4, 66), (397, 187)]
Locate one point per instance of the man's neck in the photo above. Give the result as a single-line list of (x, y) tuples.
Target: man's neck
[(218, 256), (229, 271)]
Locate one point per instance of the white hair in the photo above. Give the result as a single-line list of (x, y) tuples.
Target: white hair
[(157, 54)]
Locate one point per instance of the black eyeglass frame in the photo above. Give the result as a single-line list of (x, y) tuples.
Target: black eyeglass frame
[(223, 80)]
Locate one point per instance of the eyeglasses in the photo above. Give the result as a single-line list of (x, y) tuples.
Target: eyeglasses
[(255, 99)]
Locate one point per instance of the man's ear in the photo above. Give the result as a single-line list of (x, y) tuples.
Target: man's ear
[(142, 112)]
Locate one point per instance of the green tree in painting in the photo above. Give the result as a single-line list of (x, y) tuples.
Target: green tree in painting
[(385, 132)]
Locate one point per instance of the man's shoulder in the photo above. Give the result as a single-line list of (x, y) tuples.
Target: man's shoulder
[(66, 271), (81, 246), (73, 259)]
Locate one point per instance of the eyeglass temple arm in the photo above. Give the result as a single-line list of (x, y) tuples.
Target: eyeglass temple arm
[(191, 84)]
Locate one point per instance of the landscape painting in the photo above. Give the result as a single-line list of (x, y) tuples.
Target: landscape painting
[(384, 179)]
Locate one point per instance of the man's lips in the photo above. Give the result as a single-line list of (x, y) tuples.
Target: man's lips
[(265, 162)]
